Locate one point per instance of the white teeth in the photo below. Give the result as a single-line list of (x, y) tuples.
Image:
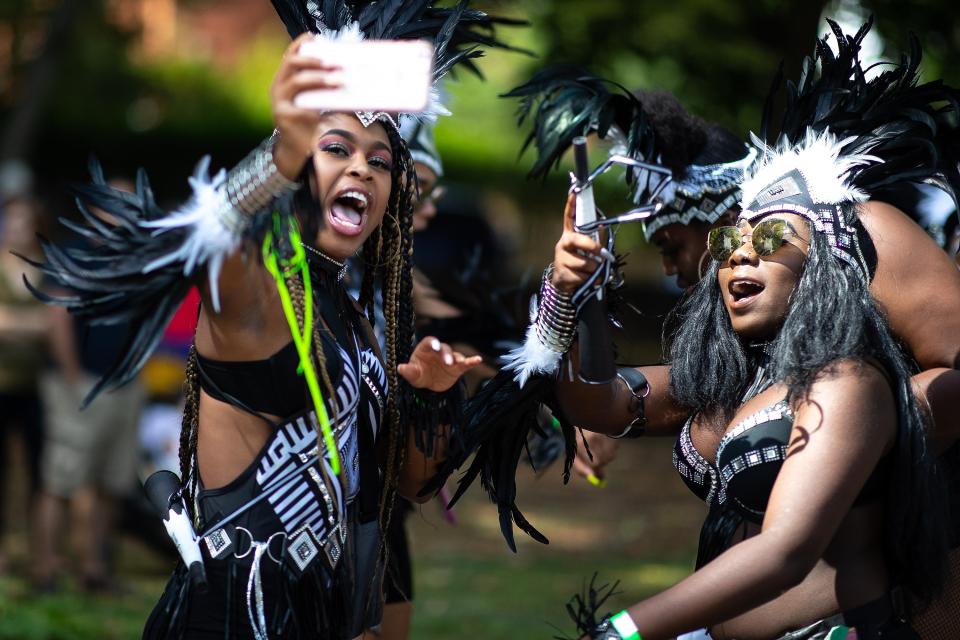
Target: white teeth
[(356, 195)]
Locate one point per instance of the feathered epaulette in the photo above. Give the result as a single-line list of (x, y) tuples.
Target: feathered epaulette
[(456, 32), (124, 276), (564, 102), (911, 128)]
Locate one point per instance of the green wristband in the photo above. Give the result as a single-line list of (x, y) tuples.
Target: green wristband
[(625, 626)]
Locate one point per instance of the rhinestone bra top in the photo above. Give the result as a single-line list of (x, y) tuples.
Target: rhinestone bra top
[(748, 460)]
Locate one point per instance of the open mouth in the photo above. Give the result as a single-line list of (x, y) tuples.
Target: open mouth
[(347, 211), (744, 291)]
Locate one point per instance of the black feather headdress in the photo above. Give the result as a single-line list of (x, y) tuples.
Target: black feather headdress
[(845, 138), (562, 102), (458, 33)]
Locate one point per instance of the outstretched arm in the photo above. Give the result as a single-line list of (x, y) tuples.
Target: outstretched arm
[(433, 367)]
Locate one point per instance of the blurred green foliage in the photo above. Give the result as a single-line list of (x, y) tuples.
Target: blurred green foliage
[(718, 56)]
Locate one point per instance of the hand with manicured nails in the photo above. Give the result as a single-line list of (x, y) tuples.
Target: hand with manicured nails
[(435, 366), (576, 255), (297, 127)]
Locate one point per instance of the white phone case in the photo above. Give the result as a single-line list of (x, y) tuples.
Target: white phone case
[(375, 75)]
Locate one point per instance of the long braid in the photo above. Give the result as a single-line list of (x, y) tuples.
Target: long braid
[(189, 426), (386, 252)]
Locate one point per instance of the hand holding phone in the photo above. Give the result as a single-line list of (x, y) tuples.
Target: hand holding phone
[(374, 75)]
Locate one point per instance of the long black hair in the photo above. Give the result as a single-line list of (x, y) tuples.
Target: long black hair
[(832, 317)]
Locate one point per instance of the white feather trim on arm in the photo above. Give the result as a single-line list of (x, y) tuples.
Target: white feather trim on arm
[(533, 357), (215, 229)]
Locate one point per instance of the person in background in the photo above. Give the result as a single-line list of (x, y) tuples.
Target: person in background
[(23, 331), (90, 457)]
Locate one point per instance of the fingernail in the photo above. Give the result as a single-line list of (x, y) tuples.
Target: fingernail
[(435, 344), (597, 482), (447, 359)]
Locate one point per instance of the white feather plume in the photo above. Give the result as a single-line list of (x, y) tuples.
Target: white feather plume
[(350, 32), (210, 239), (819, 159), (533, 357)]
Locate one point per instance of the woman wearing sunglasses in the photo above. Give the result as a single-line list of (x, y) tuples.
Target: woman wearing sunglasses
[(805, 440), (804, 435)]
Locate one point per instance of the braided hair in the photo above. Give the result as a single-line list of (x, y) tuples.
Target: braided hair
[(387, 257)]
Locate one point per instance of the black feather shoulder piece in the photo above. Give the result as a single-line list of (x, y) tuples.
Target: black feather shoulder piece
[(909, 127), (124, 275), (562, 102)]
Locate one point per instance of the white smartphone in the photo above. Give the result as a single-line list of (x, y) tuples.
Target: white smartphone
[(375, 75)]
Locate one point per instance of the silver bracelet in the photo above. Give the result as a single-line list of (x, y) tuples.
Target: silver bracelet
[(556, 321), (253, 185)]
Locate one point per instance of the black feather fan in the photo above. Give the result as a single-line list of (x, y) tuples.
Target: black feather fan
[(107, 282)]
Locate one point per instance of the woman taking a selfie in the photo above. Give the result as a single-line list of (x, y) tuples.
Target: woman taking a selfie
[(291, 450)]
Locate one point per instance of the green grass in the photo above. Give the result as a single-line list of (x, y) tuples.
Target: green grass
[(72, 615), (640, 530)]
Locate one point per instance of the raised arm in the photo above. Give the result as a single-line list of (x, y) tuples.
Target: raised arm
[(606, 408), (268, 172), (918, 286)]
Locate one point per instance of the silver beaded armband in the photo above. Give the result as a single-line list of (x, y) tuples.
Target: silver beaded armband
[(253, 185), (556, 321)]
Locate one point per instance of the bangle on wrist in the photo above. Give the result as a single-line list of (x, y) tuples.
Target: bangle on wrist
[(556, 316), (253, 185), (625, 626)]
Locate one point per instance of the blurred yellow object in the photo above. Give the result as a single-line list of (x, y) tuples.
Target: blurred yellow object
[(163, 375), (597, 482)]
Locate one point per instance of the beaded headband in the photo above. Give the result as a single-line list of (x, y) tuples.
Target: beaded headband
[(704, 192), (810, 179)]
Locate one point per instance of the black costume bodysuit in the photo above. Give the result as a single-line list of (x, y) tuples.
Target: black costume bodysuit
[(302, 560)]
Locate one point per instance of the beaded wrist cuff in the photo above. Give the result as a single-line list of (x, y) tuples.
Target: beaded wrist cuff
[(252, 186)]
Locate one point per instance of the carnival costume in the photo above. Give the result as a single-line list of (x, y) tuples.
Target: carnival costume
[(562, 103), (566, 101), (292, 546), (843, 139)]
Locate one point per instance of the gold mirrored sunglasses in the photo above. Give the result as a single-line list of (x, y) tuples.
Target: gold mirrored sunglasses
[(766, 238)]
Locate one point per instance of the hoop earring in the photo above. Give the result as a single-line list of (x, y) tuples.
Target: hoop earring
[(702, 264)]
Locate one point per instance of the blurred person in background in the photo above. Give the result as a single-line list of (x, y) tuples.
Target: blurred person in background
[(24, 328), (90, 457)]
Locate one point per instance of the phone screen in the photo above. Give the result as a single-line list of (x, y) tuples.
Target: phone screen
[(375, 75)]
